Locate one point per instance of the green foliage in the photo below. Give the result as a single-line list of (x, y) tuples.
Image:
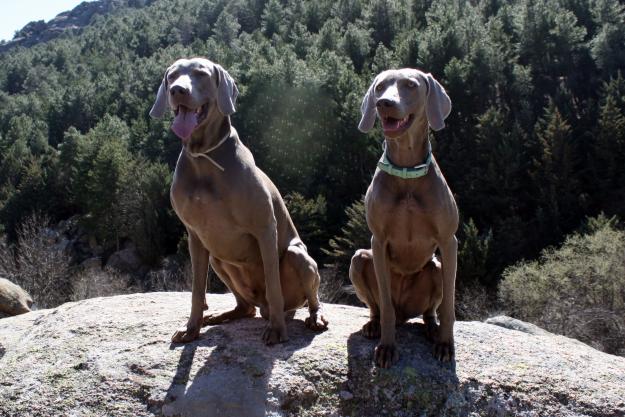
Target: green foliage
[(356, 45), (310, 218), (272, 18), (576, 289), (535, 141), (153, 226), (355, 234), (473, 254)]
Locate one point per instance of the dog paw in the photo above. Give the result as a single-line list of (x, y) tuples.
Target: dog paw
[(316, 322), (385, 356), (444, 351), (371, 330), (273, 335), (185, 335), (212, 319)]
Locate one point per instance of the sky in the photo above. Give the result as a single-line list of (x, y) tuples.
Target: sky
[(17, 13)]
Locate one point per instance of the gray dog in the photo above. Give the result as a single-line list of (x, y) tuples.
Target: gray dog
[(234, 215), (411, 212)]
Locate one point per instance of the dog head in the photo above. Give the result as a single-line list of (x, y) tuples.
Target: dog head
[(399, 97), (191, 88)]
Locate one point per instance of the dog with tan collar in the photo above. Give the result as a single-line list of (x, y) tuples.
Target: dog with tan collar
[(411, 213), (235, 217)]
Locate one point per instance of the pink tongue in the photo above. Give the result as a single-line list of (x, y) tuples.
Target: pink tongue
[(391, 125), (184, 123)]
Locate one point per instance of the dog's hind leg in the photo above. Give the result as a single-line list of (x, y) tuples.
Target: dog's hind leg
[(362, 275), (243, 309), (296, 262)]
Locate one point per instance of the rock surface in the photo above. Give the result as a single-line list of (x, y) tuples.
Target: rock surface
[(13, 299), (112, 356)]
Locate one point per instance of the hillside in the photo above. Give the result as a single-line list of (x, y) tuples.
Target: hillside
[(112, 356), (68, 23), (534, 145)]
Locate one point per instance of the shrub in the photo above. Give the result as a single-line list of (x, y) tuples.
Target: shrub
[(37, 263), (309, 217), (335, 284), (91, 283), (175, 276), (354, 235), (577, 290)]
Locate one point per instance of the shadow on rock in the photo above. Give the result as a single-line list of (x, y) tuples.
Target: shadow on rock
[(226, 372), (417, 385)]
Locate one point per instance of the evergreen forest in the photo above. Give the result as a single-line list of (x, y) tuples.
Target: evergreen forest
[(534, 145)]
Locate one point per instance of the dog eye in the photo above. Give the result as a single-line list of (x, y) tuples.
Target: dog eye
[(411, 84), (379, 87)]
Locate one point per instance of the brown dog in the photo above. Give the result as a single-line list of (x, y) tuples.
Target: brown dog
[(234, 215), (411, 212)]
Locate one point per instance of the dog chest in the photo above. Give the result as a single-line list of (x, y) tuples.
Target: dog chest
[(197, 201)]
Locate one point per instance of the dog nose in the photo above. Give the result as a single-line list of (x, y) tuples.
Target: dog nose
[(384, 102), (177, 89)]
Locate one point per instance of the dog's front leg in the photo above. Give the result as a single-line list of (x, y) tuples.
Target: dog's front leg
[(386, 351), (199, 266), (444, 340), (268, 243)]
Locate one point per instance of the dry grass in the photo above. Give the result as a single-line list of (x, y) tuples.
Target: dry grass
[(93, 283), (175, 278)]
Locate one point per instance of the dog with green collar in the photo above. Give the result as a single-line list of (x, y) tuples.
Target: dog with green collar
[(412, 216)]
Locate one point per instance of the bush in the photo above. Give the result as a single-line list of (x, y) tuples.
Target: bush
[(354, 235), (335, 284), (37, 263), (309, 217), (91, 283), (174, 276), (577, 290)]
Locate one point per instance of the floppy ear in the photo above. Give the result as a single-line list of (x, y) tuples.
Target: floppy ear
[(160, 104), (367, 108), (227, 91), (438, 104)]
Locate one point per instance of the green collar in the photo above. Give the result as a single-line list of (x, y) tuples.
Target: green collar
[(417, 171)]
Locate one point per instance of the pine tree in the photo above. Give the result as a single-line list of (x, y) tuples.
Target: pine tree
[(609, 151), (227, 28), (554, 174), (272, 18)]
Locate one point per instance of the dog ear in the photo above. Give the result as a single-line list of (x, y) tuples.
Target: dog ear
[(227, 91), (367, 108), (160, 104), (438, 104)]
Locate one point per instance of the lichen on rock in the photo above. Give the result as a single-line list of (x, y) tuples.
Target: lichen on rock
[(113, 356)]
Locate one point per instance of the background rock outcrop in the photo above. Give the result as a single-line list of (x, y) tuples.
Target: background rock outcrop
[(112, 356), (13, 299), (71, 20)]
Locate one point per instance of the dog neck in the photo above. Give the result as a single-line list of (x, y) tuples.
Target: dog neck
[(215, 130), (410, 149)]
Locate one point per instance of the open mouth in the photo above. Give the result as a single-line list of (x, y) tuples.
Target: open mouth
[(187, 120), (391, 124)]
